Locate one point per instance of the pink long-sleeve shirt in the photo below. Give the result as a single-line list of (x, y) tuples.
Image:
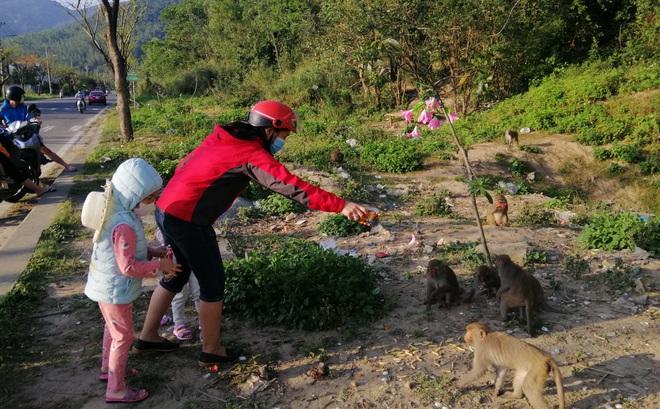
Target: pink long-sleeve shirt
[(124, 241)]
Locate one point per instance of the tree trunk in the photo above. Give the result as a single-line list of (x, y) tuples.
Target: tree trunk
[(118, 66)]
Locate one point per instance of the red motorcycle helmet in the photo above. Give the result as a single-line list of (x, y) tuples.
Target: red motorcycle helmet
[(274, 114)]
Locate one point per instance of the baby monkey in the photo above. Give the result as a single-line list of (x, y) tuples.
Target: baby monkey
[(532, 365)]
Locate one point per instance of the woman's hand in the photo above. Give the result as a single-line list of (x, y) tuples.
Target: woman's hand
[(354, 211)]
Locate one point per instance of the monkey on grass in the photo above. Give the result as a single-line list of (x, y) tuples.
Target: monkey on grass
[(531, 365)]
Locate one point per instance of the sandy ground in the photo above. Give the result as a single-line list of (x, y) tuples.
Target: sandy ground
[(606, 342)]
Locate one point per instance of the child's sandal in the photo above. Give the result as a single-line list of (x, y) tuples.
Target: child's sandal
[(182, 333)]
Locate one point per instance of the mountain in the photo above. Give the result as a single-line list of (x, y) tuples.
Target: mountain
[(30, 16), (69, 45)]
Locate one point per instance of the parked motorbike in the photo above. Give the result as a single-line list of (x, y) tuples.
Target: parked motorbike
[(27, 155)]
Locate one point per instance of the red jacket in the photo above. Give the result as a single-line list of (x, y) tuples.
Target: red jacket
[(211, 177)]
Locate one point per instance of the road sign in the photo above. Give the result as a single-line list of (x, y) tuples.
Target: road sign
[(132, 77)]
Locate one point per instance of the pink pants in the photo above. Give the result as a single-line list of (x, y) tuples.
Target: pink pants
[(117, 341)]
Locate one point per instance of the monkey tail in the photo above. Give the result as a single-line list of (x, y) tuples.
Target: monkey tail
[(559, 382)]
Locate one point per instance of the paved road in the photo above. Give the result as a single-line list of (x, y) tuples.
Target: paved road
[(72, 136)]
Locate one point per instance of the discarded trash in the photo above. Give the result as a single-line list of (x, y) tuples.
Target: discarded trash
[(381, 255), (525, 130)]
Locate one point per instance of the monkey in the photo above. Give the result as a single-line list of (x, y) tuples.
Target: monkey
[(531, 365), (441, 282), (511, 136), (486, 277), (516, 290), (499, 215), (336, 156)]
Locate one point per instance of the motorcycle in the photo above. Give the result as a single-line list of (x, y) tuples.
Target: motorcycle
[(27, 154), (80, 105)]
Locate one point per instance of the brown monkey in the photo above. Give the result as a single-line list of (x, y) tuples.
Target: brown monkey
[(441, 282), (531, 365), (336, 156), (516, 289), (511, 136), (488, 279), (499, 215)]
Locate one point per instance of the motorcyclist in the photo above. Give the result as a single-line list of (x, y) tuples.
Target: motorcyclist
[(81, 95), (14, 109)]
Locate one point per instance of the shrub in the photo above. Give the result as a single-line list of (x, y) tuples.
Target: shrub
[(520, 168), (610, 231), (628, 153), (602, 154), (575, 266), (339, 226), (648, 236), (534, 215), (530, 148), (278, 205), (650, 166), (535, 257), (247, 214), (395, 156), (302, 286), (614, 169), (433, 205)]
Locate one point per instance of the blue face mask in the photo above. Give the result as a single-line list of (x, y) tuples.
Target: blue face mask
[(277, 145)]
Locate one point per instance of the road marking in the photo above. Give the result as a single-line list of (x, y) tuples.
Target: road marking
[(76, 128), (47, 128)]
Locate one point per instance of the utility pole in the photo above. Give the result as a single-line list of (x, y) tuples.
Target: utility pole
[(50, 88), (2, 65)]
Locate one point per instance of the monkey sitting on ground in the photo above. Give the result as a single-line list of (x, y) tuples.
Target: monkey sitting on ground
[(517, 289), (441, 284), (488, 279), (499, 215), (531, 365), (511, 136)]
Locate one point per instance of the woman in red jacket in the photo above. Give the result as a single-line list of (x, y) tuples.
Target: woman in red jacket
[(204, 185)]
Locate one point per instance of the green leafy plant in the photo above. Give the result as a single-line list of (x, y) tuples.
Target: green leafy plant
[(302, 286), (614, 169), (610, 231), (520, 168), (433, 205), (535, 257), (602, 154), (248, 213), (647, 236), (575, 266), (278, 205), (395, 156), (338, 225), (479, 187), (530, 148)]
